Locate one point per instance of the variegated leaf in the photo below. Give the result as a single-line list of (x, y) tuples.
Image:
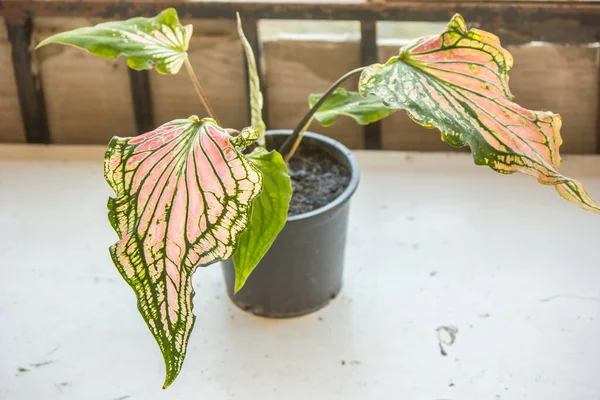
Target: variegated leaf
[(256, 97), (269, 213), (458, 82), (364, 110), (245, 138), (183, 194), (160, 42)]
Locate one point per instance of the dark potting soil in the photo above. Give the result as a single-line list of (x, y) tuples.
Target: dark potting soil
[(317, 180)]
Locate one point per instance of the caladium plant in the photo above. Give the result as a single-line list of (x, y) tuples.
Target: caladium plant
[(190, 194)]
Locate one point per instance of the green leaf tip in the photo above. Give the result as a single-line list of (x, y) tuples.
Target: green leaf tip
[(171, 375), (160, 42), (269, 214), (363, 110), (458, 82)]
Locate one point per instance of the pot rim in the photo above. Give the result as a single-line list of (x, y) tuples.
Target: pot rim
[(354, 172)]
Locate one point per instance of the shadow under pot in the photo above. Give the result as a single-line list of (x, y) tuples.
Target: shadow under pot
[(303, 269)]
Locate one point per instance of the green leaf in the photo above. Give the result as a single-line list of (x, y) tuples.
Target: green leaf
[(458, 82), (160, 42), (364, 110), (269, 214), (183, 195), (256, 97)]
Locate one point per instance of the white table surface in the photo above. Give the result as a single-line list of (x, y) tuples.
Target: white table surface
[(433, 240)]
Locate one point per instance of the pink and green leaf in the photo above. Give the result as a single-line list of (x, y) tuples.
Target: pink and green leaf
[(269, 213), (363, 110), (183, 195), (458, 82), (160, 42)]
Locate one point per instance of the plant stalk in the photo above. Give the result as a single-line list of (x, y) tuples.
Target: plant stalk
[(200, 92), (293, 142)]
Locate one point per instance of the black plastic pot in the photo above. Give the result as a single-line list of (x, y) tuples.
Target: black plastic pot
[(303, 269)]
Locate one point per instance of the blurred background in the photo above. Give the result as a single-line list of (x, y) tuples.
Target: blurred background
[(87, 100)]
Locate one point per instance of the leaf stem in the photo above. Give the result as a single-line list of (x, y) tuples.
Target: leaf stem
[(200, 92), (293, 141)]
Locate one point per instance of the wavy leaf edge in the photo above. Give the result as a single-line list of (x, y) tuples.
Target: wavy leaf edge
[(473, 65), (166, 196), (159, 42)]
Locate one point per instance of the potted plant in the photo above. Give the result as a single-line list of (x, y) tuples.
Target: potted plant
[(192, 192)]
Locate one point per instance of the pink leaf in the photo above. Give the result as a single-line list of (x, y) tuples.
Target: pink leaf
[(458, 82), (183, 196)]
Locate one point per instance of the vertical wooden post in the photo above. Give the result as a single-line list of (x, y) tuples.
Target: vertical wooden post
[(31, 96), (598, 103), (368, 55), (142, 100)]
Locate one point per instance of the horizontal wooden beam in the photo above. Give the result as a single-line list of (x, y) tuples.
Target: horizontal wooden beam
[(490, 13)]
